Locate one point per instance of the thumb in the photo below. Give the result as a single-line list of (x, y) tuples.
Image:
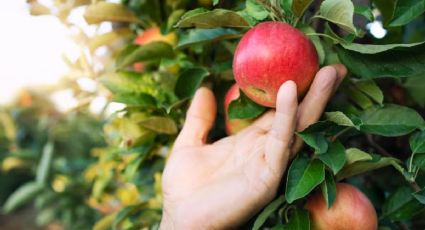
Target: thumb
[(199, 119)]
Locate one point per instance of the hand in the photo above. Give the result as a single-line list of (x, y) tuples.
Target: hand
[(221, 185)]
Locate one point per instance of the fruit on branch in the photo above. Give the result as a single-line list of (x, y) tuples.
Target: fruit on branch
[(351, 210), (235, 125), (153, 34), (270, 54)]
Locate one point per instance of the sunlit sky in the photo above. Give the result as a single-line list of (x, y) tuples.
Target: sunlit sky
[(30, 49)]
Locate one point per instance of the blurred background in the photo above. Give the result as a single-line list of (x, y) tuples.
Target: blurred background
[(51, 114)]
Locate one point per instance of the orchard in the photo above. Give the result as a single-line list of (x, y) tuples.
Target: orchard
[(360, 166)]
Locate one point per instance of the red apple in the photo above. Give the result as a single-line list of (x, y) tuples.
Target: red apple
[(153, 34), (351, 210), (235, 125), (270, 54)]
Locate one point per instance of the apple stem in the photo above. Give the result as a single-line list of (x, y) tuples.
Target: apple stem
[(333, 138), (275, 12)]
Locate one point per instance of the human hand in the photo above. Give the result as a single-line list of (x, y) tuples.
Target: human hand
[(221, 185)]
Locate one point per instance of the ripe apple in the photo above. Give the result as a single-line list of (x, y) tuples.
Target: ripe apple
[(270, 54), (235, 125), (152, 34), (351, 210)]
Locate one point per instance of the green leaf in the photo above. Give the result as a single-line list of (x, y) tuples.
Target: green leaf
[(406, 11), (248, 18), (374, 49), (256, 10), (189, 81), (22, 195), (106, 11), (354, 155), (334, 158), (213, 19), (264, 215), (339, 118), (128, 83), (194, 12), (401, 205), (420, 196), (359, 98), (417, 142), (328, 188), (387, 9), (169, 108), (300, 6), (316, 42), (371, 89), (390, 120), (286, 6), (360, 167), (303, 176), (244, 108), (135, 99), (278, 227), (419, 161), (162, 125), (44, 164), (174, 17), (315, 140), (105, 222), (340, 12), (414, 86), (364, 11), (199, 36), (131, 169), (374, 61), (215, 2), (125, 213), (299, 220), (148, 52)]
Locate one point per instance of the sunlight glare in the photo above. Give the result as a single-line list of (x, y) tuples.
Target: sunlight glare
[(31, 49)]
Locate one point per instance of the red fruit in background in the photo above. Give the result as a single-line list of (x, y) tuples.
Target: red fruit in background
[(270, 54), (152, 34), (235, 125), (351, 210)]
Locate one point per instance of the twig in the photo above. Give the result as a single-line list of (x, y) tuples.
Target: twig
[(415, 186), (334, 137), (377, 146)]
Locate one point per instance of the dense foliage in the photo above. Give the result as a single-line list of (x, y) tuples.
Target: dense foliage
[(372, 134)]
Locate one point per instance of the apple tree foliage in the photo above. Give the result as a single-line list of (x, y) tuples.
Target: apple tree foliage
[(371, 135), (43, 152)]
